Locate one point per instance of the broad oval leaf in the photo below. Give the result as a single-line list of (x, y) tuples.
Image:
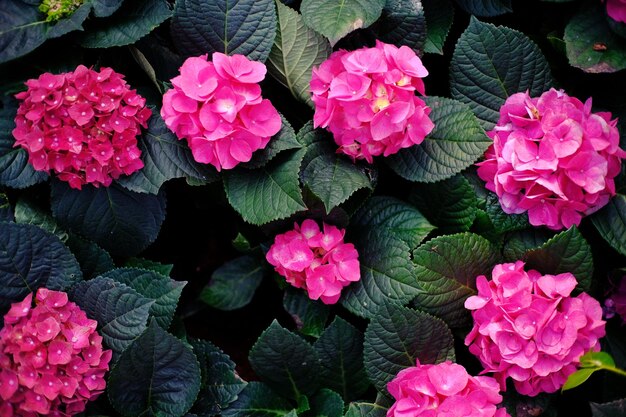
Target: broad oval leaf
[(439, 17), (157, 375), (163, 290), (333, 179), (387, 274), (233, 284), (336, 18), (396, 217), (259, 400), (446, 269), (486, 8), (566, 252), (134, 20), (245, 27), (268, 193), (397, 336), (31, 258), (403, 23), (92, 258), (362, 409), (610, 221), (340, 349), (584, 31), (490, 63), (121, 312), (518, 243), (120, 221), (286, 362), (451, 204), (165, 157), (15, 171), (28, 212), (297, 49), (309, 315), (220, 383), (326, 403), (456, 142)]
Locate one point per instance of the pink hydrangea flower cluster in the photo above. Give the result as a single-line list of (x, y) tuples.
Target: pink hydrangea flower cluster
[(553, 158), (83, 125), (317, 261), (529, 328), (444, 390), (616, 9), (51, 358), (217, 107), (367, 99)]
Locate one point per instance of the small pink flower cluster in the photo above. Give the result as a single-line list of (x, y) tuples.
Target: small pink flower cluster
[(51, 358), (314, 260), (83, 125), (553, 158), (217, 106), (366, 98), (443, 390), (527, 327), (616, 9)]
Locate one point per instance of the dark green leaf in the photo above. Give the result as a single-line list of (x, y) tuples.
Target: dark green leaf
[(387, 274), (233, 284), (121, 312), (246, 27), (27, 212), (142, 263), (612, 409), (284, 140), (455, 143), (336, 18), (446, 269), (450, 204), (31, 258), (309, 315), (220, 383), (490, 63), (340, 349), (396, 217), (398, 336), (326, 403), (134, 20), (297, 49), (403, 23), (588, 29), (485, 7), (92, 258), (120, 221), (611, 223), (502, 221), (258, 400), (286, 362), (439, 17), (6, 211), (158, 375), (519, 243), (15, 171), (333, 179), (268, 193), (104, 8), (164, 291), (165, 157), (566, 252), (21, 29), (362, 409)]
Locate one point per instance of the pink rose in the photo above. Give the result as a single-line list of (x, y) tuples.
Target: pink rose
[(318, 261), (81, 125), (528, 327), (217, 107), (553, 158), (51, 357), (443, 390), (367, 99)]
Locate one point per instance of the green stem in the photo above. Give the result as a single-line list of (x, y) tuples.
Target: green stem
[(614, 370)]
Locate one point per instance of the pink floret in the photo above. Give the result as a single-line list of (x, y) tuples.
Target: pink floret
[(367, 99), (47, 367), (616, 9), (553, 158), (528, 327), (318, 261)]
